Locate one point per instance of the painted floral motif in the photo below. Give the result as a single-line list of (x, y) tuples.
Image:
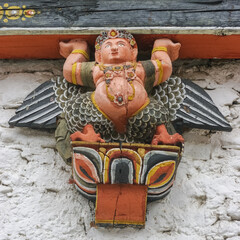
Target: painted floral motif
[(109, 75), (113, 33), (130, 75), (15, 12), (118, 99)]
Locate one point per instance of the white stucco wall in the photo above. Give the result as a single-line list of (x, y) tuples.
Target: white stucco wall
[(36, 201)]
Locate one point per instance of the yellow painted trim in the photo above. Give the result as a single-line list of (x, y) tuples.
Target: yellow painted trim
[(8, 12), (106, 167), (102, 150), (114, 144), (141, 108), (98, 108), (154, 169), (159, 49), (141, 152), (130, 98), (101, 155), (107, 164), (160, 71), (80, 51), (110, 97), (1, 12), (117, 68), (74, 67), (82, 143), (120, 222)]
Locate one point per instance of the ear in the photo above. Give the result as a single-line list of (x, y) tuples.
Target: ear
[(134, 53), (98, 56)]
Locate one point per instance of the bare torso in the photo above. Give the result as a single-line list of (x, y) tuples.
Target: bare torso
[(120, 98)]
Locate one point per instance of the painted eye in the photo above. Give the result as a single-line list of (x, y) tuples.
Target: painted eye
[(107, 46), (121, 44)]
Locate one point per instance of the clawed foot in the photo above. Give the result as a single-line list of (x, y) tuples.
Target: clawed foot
[(88, 134), (163, 137)]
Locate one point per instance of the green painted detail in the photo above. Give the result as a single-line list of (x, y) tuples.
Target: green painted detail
[(86, 74), (62, 136), (150, 75)]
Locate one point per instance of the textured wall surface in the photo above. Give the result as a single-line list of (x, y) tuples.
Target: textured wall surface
[(36, 201)]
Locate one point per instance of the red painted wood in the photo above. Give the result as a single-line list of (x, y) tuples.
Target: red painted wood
[(121, 204), (193, 45)]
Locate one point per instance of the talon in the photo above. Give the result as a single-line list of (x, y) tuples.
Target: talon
[(76, 136), (163, 137), (88, 134)]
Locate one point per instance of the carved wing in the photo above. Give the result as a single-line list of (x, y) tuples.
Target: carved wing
[(39, 109), (189, 105), (199, 111)]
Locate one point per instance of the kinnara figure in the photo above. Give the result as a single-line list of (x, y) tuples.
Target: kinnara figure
[(123, 89)]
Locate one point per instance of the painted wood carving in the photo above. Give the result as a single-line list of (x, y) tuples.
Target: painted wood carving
[(118, 122), (12, 13)]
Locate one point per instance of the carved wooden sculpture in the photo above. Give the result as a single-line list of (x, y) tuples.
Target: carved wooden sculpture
[(115, 122)]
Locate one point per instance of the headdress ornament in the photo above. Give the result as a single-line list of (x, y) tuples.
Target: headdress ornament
[(113, 33)]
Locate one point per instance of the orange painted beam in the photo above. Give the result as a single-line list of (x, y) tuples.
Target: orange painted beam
[(199, 45), (121, 204), (193, 45)]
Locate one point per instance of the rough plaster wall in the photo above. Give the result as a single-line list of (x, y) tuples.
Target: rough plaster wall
[(36, 201)]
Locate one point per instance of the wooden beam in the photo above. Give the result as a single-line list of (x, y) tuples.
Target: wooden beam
[(193, 45), (205, 28), (118, 13)]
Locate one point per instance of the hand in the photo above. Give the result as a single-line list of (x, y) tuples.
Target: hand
[(67, 48), (172, 48)]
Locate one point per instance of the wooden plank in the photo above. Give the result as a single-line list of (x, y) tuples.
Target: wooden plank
[(193, 45), (199, 25), (221, 31), (121, 204), (136, 13)]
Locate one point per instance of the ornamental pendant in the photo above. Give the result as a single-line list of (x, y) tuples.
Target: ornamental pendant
[(118, 99)]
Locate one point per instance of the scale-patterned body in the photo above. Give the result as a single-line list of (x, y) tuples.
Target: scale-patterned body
[(126, 167), (174, 100), (79, 111)]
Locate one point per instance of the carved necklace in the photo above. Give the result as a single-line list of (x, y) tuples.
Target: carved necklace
[(130, 74)]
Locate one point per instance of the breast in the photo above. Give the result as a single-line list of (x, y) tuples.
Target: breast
[(120, 99)]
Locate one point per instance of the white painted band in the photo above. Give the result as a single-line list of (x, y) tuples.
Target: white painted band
[(133, 30)]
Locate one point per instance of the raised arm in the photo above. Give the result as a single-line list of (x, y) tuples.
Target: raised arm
[(76, 52), (163, 54)]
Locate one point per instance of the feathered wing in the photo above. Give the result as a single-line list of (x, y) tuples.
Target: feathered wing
[(199, 111), (189, 105), (39, 108)]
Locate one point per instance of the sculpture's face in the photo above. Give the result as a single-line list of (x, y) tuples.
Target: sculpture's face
[(117, 50)]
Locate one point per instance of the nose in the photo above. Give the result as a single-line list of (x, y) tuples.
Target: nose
[(114, 48)]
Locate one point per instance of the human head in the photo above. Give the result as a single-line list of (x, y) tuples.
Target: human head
[(113, 34)]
